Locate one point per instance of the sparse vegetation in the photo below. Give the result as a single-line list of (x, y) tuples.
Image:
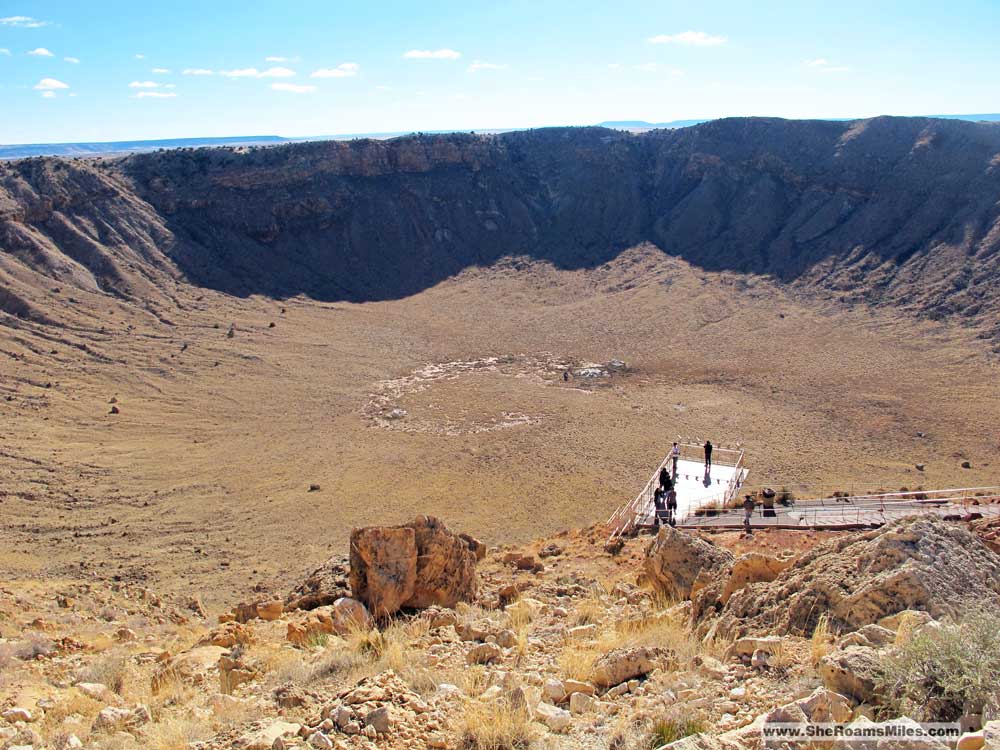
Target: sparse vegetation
[(495, 725), (822, 640), (673, 728), (941, 673)]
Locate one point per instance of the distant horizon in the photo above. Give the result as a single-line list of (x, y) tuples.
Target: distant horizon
[(137, 144)]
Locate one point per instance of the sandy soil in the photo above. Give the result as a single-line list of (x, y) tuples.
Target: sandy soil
[(203, 478)]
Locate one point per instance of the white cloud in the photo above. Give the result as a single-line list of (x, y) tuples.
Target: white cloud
[(48, 94), (74, 60), (170, 85), (652, 67), (615, 66), (161, 71), (344, 70), (432, 54), (383, 88), (823, 65), (23, 22), (40, 52), (144, 85), (689, 38), (293, 88), (480, 65), (154, 95), (198, 72), (4, 51), (50, 84), (254, 73), (139, 56), (275, 58)]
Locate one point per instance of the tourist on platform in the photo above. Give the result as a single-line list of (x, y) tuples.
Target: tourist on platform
[(748, 506), (659, 507)]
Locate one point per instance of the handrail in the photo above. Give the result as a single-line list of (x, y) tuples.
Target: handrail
[(623, 519)]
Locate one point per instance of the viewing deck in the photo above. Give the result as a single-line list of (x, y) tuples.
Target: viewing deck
[(697, 487), (703, 496)]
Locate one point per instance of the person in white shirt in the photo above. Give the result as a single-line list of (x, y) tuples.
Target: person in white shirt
[(675, 454)]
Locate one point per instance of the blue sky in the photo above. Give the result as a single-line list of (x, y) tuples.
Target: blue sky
[(88, 71)]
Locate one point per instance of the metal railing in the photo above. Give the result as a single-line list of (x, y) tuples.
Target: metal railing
[(861, 511), (623, 520)]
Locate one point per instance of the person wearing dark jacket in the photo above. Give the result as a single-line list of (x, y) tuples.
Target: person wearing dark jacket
[(708, 454), (672, 507), (748, 506), (659, 507), (665, 481)]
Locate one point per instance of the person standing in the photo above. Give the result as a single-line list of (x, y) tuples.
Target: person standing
[(708, 454), (675, 455), (659, 506), (672, 506), (665, 481), (748, 506)]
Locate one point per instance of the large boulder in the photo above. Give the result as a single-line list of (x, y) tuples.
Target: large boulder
[(851, 671), (920, 563), (446, 565), (383, 567), (622, 664), (416, 565), (675, 559)]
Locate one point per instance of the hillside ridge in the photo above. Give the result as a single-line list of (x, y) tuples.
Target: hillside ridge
[(901, 212)]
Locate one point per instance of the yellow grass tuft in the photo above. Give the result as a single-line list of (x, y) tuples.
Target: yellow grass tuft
[(577, 662), (494, 726), (176, 733), (588, 612), (822, 639)]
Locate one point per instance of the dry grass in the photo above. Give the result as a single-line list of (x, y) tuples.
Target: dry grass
[(494, 726), (821, 641), (577, 662), (590, 611), (519, 615), (74, 703), (33, 646), (115, 670), (360, 653), (782, 659), (675, 726), (176, 733)]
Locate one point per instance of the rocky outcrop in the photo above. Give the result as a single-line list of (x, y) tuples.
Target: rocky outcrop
[(675, 559), (714, 587), (922, 563), (416, 565), (323, 586), (340, 618)]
